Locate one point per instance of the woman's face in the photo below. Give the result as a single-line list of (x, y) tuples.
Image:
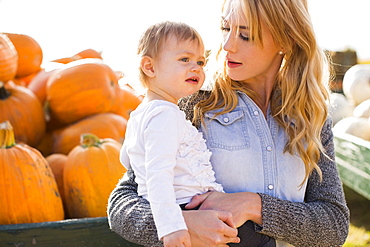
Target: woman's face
[(246, 60)]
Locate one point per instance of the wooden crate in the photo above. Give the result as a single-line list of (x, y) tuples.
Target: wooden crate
[(352, 155), (89, 232)]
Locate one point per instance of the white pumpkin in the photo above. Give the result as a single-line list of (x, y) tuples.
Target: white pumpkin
[(363, 109), (356, 83), (339, 107), (359, 127)]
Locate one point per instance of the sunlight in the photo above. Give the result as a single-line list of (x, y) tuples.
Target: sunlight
[(114, 26)]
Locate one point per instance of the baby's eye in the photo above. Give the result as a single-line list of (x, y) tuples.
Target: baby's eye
[(185, 59), (201, 63)]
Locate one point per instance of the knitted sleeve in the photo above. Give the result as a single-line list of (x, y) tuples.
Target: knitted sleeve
[(129, 215), (323, 219)]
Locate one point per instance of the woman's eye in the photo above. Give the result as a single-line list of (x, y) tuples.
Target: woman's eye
[(225, 29), (185, 59), (243, 37)]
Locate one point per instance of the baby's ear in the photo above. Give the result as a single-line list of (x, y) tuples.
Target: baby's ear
[(147, 66)]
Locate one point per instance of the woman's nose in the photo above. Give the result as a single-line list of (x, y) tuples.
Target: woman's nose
[(229, 43)]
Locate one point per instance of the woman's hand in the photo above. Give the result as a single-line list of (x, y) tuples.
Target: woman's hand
[(179, 238), (243, 205), (210, 228)]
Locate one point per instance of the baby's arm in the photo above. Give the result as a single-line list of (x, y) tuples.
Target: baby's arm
[(162, 142)]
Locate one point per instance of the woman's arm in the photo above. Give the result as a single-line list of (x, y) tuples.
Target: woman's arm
[(130, 216), (323, 219)]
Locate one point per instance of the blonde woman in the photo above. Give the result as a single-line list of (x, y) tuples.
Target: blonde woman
[(266, 124)]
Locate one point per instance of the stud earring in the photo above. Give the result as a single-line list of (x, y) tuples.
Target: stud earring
[(281, 53)]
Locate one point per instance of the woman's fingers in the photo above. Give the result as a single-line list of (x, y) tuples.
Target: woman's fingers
[(209, 228), (197, 200)]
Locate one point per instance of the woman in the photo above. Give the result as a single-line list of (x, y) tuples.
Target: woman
[(266, 124)]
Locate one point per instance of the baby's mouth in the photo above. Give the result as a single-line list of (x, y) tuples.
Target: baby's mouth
[(193, 80)]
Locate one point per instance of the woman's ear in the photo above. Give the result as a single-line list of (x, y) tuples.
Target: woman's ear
[(147, 66)]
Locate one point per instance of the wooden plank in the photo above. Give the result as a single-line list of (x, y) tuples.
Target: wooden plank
[(353, 161), (67, 233)]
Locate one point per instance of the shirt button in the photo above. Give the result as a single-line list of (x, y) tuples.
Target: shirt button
[(268, 148), (226, 120), (270, 187), (255, 113)]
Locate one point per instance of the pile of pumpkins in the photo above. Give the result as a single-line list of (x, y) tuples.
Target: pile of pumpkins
[(351, 110), (62, 124)]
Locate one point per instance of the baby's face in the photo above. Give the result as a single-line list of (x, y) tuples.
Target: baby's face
[(179, 68)]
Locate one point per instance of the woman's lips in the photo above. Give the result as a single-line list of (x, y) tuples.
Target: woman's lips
[(233, 64)]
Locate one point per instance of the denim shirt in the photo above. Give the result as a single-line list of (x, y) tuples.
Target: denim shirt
[(248, 153)]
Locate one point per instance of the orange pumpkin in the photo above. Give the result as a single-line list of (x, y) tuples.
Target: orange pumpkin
[(104, 125), (90, 174), (88, 53), (24, 111), (38, 84), (57, 163), (29, 191), (126, 101), (30, 54), (8, 59), (46, 143), (81, 88)]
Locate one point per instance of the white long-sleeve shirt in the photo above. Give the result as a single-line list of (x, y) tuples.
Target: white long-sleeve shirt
[(170, 160)]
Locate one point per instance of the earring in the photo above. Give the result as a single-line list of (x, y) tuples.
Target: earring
[(281, 53)]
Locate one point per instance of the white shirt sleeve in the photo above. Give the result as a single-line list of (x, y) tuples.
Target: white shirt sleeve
[(123, 157), (162, 139)]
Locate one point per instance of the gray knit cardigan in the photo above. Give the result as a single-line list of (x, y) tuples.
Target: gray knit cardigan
[(321, 220)]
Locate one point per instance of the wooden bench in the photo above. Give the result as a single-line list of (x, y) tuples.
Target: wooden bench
[(91, 232)]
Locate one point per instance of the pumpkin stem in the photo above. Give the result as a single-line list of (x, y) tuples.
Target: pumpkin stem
[(6, 135), (4, 94), (89, 140)]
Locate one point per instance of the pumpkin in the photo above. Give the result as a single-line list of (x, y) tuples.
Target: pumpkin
[(90, 174), (57, 162), (104, 125), (339, 107), (81, 88), (46, 143), (126, 101), (8, 59), (88, 53), (356, 126), (38, 84), (30, 54), (24, 111), (356, 86), (363, 109), (29, 191)]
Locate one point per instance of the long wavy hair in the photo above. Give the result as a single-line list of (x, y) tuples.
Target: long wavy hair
[(299, 98)]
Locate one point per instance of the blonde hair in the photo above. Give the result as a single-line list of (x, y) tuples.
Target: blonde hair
[(154, 38), (298, 100)]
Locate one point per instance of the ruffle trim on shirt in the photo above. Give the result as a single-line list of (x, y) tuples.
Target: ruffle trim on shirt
[(194, 154)]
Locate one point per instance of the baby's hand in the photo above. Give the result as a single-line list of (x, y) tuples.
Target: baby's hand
[(179, 238)]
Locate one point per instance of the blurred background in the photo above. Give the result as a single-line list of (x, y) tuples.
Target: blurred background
[(66, 27), (113, 26)]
